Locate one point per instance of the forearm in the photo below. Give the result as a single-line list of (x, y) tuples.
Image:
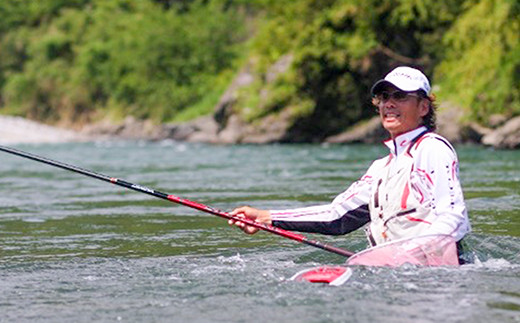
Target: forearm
[(343, 224), (347, 212)]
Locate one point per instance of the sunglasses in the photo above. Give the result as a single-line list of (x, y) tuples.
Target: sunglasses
[(399, 96)]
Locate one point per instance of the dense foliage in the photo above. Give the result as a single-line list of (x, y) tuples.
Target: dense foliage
[(115, 57), (480, 67), (78, 60), (470, 50)]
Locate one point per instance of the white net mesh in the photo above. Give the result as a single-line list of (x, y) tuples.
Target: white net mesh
[(430, 250)]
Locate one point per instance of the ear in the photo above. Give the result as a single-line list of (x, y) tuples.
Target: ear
[(424, 107)]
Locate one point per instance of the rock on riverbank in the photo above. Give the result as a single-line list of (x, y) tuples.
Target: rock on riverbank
[(16, 130), (505, 135)]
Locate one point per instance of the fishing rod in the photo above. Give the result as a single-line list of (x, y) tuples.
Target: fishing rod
[(182, 201)]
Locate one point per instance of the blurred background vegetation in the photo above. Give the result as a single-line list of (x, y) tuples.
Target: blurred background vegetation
[(73, 62)]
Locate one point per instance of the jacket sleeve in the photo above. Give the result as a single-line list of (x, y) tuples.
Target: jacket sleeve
[(346, 213), (436, 180)]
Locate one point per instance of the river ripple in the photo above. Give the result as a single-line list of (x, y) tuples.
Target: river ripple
[(76, 249)]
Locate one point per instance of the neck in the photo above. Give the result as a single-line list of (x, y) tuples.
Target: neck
[(394, 135)]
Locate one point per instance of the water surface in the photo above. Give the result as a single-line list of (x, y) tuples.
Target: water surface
[(73, 248)]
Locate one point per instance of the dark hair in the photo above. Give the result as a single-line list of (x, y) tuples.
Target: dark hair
[(430, 119)]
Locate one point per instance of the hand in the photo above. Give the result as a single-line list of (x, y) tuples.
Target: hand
[(260, 216)]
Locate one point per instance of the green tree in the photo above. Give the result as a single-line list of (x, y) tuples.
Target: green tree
[(79, 60), (481, 65), (124, 57), (340, 47)]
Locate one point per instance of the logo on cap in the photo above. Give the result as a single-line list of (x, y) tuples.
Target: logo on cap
[(404, 78)]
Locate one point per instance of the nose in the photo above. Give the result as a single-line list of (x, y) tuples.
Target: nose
[(388, 104)]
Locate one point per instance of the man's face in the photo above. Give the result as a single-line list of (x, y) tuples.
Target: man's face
[(401, 112)]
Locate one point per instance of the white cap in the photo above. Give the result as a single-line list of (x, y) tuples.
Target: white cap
[(405, 79)]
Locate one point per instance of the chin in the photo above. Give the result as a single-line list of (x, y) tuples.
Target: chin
[(391, 125)]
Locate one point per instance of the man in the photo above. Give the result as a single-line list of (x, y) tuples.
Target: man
[(414, 191)]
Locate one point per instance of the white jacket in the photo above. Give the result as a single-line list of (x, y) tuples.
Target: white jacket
[(430, 185)]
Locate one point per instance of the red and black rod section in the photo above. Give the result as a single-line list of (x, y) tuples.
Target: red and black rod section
[(178, 200)]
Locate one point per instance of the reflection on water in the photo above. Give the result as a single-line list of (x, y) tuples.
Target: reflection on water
[(70, 244)]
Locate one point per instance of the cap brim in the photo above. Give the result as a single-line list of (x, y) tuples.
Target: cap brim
[(379, 86)]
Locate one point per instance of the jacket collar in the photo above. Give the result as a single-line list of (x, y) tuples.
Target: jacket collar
[(400, 143)]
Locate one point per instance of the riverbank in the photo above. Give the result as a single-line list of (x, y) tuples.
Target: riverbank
[(505, 134), (223, 127), (17, 130)]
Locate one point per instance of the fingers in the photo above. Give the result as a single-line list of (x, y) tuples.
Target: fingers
[(244, 212), (250, 230), (244, 227), (237, 213), (262, 216), (237, 223)]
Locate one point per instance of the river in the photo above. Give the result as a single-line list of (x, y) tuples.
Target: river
[(75, 249)]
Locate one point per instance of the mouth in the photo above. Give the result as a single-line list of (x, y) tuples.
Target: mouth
[(391, 115)]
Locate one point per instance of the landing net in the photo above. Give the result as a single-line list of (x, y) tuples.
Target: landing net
[(430, 250)]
